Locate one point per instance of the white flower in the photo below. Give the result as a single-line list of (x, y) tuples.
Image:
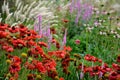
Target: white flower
[(103, 33)]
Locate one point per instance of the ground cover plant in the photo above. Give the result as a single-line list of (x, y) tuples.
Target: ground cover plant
[(77, 40)]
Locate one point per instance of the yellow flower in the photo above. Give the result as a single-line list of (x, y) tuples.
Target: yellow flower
[(56, 78), (24, 55), (38, 76), (8, 75), (30, 59), (106, 75), (72, 59), (8, 61)]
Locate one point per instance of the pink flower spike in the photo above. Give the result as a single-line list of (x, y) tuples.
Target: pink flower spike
[(64, 38), (81, 75)]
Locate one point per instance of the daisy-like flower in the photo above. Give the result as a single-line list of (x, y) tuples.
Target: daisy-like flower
[(77, 41), (14, 67)]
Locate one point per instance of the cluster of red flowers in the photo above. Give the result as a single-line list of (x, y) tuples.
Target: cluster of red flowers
[(18, 37), (103, 71), (88, 57)]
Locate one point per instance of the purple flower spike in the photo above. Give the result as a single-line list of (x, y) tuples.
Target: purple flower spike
[(40, 24), (49, 41), (88, 12), (78, 4), (72, 6), (48, 31), (35, 28), (77, 18), (64, 38)]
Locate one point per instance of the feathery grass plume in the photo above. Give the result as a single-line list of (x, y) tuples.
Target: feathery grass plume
[(26, 13)]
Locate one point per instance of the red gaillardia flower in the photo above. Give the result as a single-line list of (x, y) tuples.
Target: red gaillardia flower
[(3, 27), (113, 76), (61, 78), (16, 59), (18, 43), (52, 30), (22, 28), (13, 29), (65, 20), (67, 48), (40, 67), (29, 66), (49, 64), (3, 34), (7, 48), (42, 44), (14, 67), (60, 53)]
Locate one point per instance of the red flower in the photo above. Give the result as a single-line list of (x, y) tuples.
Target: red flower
[(54, 40), (12, 78), (60, 54), (95, 70), (16, 59), (3, 27), (18, 43), (77, 41), (94, 59), (87, 69), (65, 20), (51, 53), (13, 29), (22, 28), (39, 50), (3, 34), (61, 78), (113, 76), (100, 60), (88, 57), (31, 43), (14, 67), (49, 64), (7, 48), (115, 66), (57, 45), (52, 30), (67, 48), (29, 66), (40, 67), (105, 68), (36, 51), (42, 44)]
